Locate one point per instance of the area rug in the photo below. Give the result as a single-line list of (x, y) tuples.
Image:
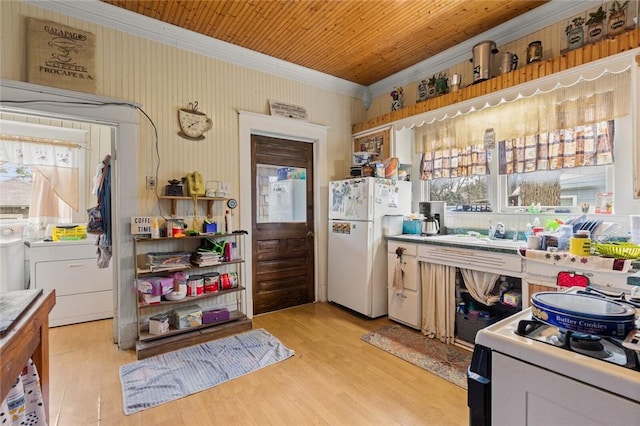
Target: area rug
[(174, 375), (447, 361)]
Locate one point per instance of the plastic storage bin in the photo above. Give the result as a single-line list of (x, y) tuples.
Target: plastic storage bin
[(77, 232), (467, 326), (411, 226)]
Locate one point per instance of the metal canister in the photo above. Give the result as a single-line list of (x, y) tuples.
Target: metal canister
[(509, 62), (211, 282), (534, 52), (195, 285), (482, 60)]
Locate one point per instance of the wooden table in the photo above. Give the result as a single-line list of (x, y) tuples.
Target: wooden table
[(28, 338)]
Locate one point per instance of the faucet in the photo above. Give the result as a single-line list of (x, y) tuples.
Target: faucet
[(515, 233)]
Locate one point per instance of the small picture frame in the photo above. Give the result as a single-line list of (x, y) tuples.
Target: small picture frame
[(604, 203)]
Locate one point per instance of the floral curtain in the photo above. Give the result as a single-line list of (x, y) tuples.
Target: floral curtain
[(588, 145)]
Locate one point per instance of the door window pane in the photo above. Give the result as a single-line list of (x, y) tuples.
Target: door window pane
[(281, 194)]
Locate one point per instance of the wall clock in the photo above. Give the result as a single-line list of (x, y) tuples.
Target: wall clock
[(193, 123)]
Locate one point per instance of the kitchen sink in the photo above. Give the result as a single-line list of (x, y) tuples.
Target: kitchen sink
[(479, 241)]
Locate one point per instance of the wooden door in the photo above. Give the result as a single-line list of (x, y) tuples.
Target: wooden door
[(282, 238)]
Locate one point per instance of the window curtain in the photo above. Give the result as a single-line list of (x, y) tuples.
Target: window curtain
[(567, 105), (438, 301), (55, 172), (588, 145), (454, 162)]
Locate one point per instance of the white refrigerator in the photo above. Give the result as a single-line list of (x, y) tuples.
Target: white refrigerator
[(361, 212)]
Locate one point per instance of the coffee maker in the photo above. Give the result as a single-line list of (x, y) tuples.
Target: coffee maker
[(433, 212)]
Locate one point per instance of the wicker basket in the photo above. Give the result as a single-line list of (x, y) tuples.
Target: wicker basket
[(618, 250)]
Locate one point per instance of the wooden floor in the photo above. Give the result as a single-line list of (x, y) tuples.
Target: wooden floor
[(334, 379)]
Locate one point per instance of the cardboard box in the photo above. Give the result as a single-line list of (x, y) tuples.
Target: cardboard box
[(187, 317), (157, 286), (149, 299), (159, 324), (512, 298), (215, 315)]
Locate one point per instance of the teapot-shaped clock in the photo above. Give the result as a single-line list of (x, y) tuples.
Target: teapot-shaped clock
[(193, 123)]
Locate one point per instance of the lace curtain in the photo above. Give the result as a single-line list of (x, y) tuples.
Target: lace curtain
[(564, 106), (55, 173)]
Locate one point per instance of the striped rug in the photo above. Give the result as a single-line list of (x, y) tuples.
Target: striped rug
[(173, 375)]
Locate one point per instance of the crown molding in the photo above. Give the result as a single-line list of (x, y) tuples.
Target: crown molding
[(109, 16), (528, 23), (106, 15)]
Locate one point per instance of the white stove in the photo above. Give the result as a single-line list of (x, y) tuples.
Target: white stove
[(542, 375)]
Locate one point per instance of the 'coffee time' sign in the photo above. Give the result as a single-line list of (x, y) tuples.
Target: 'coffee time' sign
[(61, 56)]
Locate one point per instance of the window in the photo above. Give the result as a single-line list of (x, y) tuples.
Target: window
[(463, 192), (46, 173), (563, 187), (281, 194), (15, 190)]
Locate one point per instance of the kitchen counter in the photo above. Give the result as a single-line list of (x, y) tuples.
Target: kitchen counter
[(463, 241)]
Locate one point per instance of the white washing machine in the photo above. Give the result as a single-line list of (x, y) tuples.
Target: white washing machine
[(12, 267), (84, 292)]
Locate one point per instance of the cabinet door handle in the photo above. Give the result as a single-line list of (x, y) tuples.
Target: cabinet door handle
[(401, 295), (75, 265)]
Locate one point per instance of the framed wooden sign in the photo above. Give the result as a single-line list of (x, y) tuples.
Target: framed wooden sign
[(60, 56), (287, 110), (376, 144)]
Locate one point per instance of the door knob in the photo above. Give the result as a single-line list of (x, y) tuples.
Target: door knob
[(310, 234)]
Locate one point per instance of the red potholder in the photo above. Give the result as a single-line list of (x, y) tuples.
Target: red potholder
[(571, 279)]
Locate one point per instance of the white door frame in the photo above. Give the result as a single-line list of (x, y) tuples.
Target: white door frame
[(123, 116), (251, 123)]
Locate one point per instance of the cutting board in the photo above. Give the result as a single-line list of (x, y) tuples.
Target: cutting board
[(13, 304)]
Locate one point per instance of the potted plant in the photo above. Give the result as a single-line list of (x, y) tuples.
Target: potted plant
[(617, 18), (442, 85), (595, 26), (575, 33)]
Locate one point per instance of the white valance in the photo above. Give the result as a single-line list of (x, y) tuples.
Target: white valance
[(583, 102), (590, 93)]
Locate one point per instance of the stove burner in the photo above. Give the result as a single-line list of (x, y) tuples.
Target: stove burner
[(607, 349)]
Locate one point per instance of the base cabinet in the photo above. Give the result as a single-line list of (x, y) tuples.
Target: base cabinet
[(229, 299), (405, 306)]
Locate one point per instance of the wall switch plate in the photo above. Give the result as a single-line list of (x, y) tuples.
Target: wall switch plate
[(151, 183)]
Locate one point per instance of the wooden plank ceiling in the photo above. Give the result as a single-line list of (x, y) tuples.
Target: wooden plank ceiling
[(362, 41)]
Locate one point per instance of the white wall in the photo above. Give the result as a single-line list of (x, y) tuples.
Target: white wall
[(162, 79)]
